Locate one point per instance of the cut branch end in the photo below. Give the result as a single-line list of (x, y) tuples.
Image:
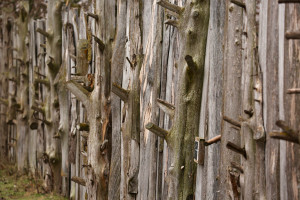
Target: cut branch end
[(236, 149), (99, 42), (157, 130), (78, 180), (170, 6), (44, 33), (120, 92)]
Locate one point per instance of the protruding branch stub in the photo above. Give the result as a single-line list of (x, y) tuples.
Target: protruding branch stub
[(51, 64), (45, 82), (237, 166), (48, 123), (43, 46), (38, 109), (199, 151), (57, 135), (44, 33), (287, 133), (293, 91), (157, 130), (99, 42), (170, 6), (190, 62), (79, 91), (83, 127), (4, 102), (39, 74), (284, 136), (92, 15), (166, 107), (130, 63), (103, 146), (239, 3), (84, 135), (73, 56), (120, 92), (236, 149), (78, 180), (232, 121), (12, 80), (249, 112), (288, 1), (285, 127), (172, 22), (213, 140), (292, 35)]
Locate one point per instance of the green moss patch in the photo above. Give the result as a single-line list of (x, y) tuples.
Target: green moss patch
[(13, 185)]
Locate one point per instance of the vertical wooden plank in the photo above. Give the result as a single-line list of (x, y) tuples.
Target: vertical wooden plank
[(32, 134), (281, 79), (40, 94), (231, 95), (22, 43), (260, 170), (291, 107), (150, 89), (118, 59), (170, 56), (211, 108), (4, 86), (271, 103)]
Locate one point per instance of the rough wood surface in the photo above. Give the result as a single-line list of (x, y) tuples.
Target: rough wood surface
[(271, 102), (232, 95), (290, 79), (231, 90)]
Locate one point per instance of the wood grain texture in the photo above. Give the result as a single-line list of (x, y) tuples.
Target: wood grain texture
[(271, 102), (290, 78), (231, 94)]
